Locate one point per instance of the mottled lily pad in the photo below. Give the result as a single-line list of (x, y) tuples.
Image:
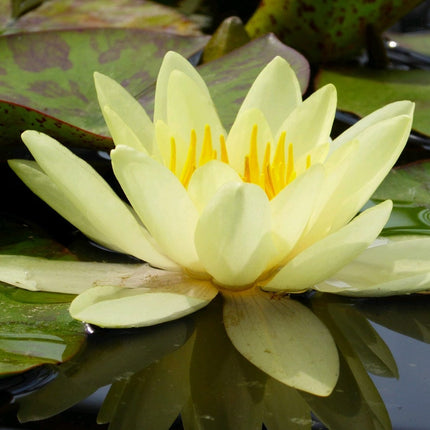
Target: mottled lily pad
[(361, 91), (326, 30), (50, 92), (70, 14), (46, 78)]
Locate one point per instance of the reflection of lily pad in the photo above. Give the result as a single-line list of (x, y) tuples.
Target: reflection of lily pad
[(362, 91), (48, 75)]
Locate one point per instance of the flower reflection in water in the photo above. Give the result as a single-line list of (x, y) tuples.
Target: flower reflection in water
[(204, 379)]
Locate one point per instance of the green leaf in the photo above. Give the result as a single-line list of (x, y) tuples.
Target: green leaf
[(35, 331), (362, 90), (68, 14), (326, 30), (39, 85), (409, 188)]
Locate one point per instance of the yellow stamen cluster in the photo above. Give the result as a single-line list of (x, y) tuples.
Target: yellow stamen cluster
[(272, 176)]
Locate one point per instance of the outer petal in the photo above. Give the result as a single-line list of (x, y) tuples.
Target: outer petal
[(161, 202), (375, 154), (233, 235), (309, 125), (239, 138), (275, 92), (190, 108), (206, 181), (89, 194), (292, 207), (70, 277), (327, 256), (138, 307), (173, 61), (389, 111), (399, 267), (127, 120), (284, 339)]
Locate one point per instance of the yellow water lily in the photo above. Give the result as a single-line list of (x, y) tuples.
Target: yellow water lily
[(269, 207)]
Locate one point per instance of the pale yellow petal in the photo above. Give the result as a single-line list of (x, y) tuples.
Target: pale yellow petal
[(284, 339), (161, 202), (207, 179), (233, 235), (173, 61), (309, 125), (389, 111), (70, 277), (88, 192), (292, 207), (190, 108), (275, 92), (239, 138), (117, 307), (325, 257), (399, 267), (126, 119)]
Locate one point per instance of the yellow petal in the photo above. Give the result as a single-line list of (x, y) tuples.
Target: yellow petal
[(173, 61), (138, 307), (70, 277), (161, 202), (89, 194), (325, 257), (190, 108), (207, 179), (309, 125), (126, 119), (233, 234), (275, 92), (399, 267), (284, 339)]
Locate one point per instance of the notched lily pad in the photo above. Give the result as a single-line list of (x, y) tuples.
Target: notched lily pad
[(361, 91), (46, 78)]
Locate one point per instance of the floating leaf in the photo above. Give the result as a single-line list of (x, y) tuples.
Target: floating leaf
[(328, 30), (68, 14), (409, 188), (49, 75), (362, 91), (33, 332)]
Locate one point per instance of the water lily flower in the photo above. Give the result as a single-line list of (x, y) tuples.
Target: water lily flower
[(263, 210)]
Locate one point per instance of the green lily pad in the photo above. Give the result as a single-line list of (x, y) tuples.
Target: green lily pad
[(409, 188), (48, 75), (36, 331), (361, 91), (326, 30), (35, 328), (68, 14)]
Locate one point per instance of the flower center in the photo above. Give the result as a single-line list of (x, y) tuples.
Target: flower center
[(272, 175)]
